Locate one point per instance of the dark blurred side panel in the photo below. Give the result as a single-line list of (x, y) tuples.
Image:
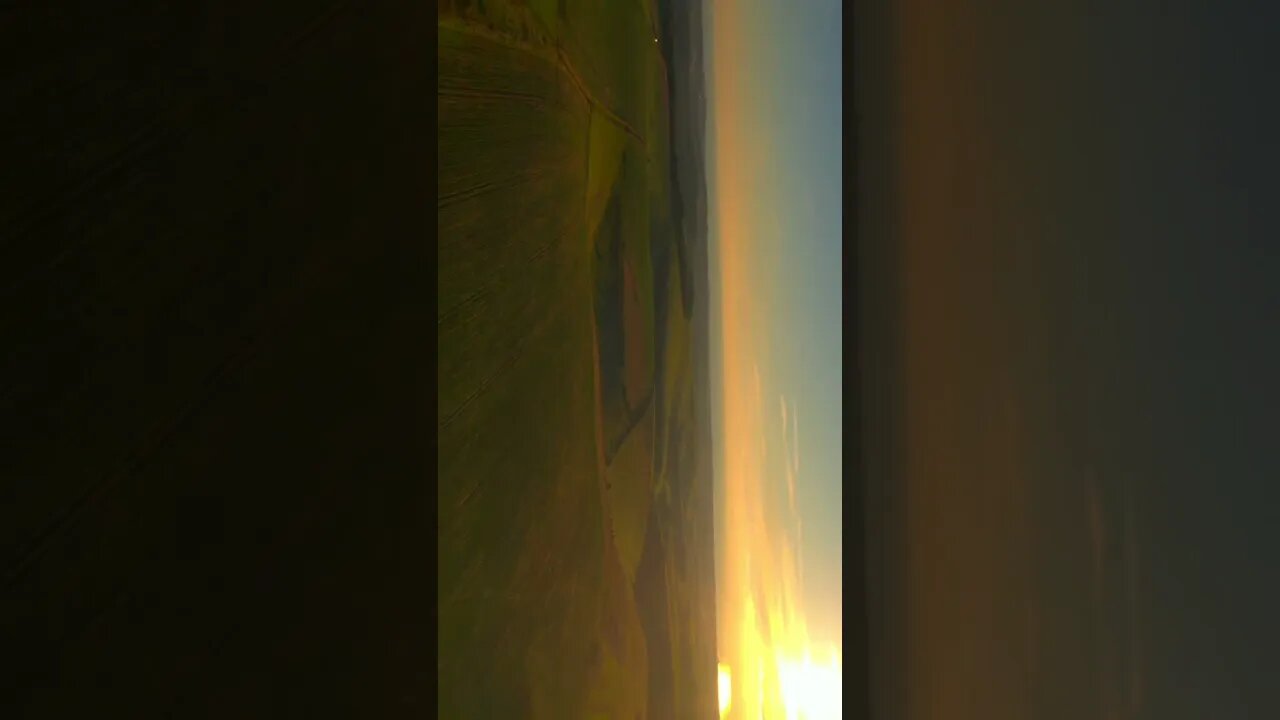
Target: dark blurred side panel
[(870, 290), (214, 467)]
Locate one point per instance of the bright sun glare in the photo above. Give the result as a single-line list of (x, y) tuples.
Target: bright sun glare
[(726, 688), (811, 690), (808, 689)]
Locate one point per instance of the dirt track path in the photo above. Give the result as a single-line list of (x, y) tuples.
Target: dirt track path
[(597, 105)]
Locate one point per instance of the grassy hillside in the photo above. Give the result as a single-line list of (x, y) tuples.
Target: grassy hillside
[(514, 343), (554, 211)]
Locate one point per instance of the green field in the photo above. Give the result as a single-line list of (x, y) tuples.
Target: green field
[(562, 389)]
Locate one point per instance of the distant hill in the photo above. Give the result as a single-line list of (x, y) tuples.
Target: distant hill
[(682, 40), (682, 44)]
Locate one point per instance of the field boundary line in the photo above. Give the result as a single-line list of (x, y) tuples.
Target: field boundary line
[(561, 59), (596, 104)]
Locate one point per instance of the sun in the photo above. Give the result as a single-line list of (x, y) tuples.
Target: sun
[(806, 688), (725, 681), (811, 690)]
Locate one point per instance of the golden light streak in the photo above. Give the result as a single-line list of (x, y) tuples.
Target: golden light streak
[(724, 681)]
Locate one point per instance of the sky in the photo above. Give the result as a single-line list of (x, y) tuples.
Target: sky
[(1071, 304), (774, 184)]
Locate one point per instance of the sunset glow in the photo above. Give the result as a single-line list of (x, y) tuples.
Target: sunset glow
[(778, 670)]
